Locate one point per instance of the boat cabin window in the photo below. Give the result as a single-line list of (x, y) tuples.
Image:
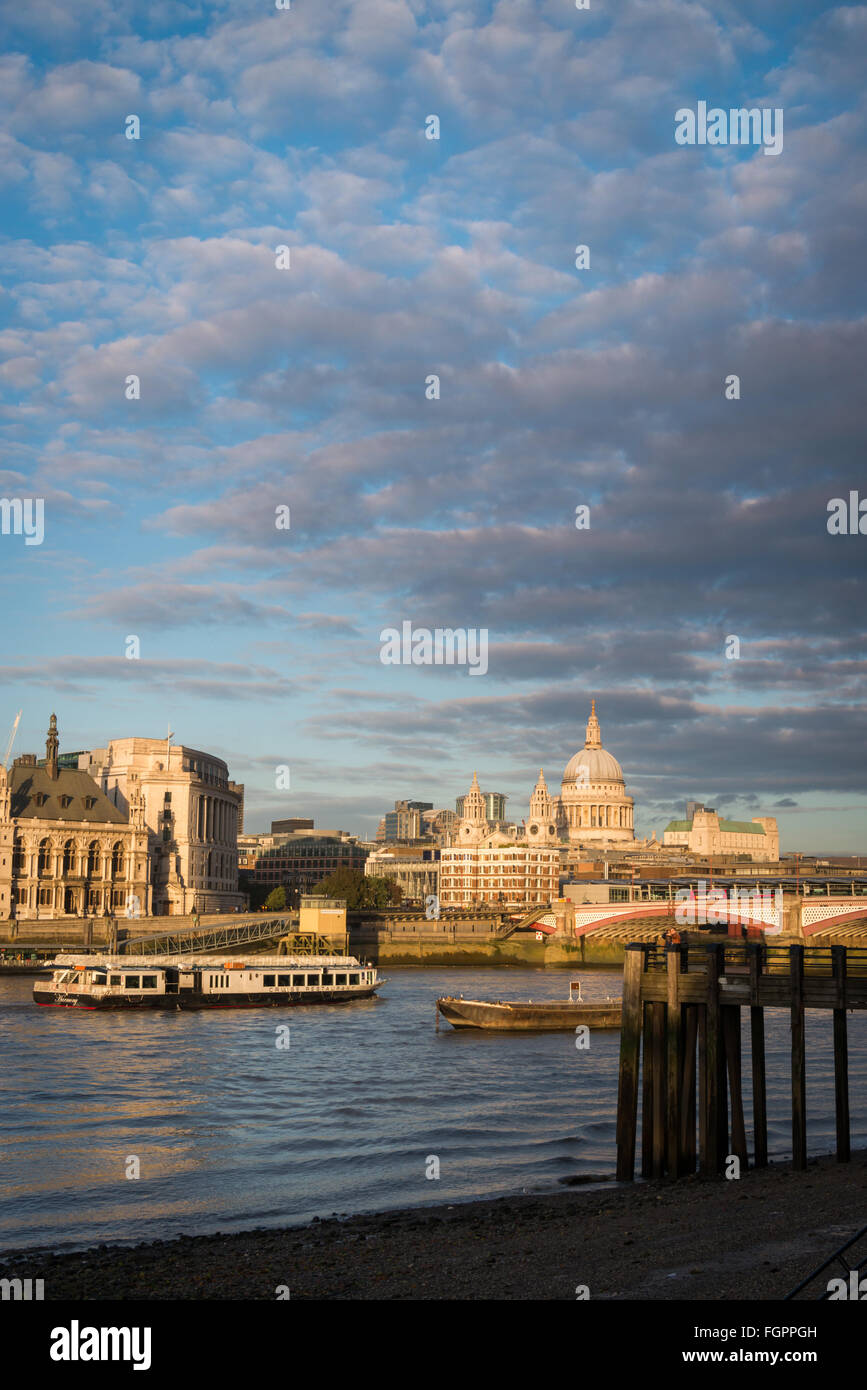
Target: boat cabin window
[(327, 979), (148, 981), (115, 980), (284, 979), (353, 979), (133, 982), (298, 979), (313, 979), (268, 981), (340, 979), (97, 978)]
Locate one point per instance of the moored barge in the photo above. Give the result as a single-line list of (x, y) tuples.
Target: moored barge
[(176, 982), (525, 1016)]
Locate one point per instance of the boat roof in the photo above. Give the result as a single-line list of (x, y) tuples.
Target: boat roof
[(221, 962)]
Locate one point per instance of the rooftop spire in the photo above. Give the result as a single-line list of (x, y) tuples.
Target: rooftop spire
[(52, 744), (474, 802), (593, 738)]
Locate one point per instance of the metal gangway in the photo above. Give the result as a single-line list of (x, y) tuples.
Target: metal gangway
[(192, 940)]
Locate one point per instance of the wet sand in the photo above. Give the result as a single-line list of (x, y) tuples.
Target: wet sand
[(699, 1238)]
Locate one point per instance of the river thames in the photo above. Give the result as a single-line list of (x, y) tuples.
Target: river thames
[(233, 1132)]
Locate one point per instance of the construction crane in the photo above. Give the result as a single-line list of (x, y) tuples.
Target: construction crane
[(12, 737)]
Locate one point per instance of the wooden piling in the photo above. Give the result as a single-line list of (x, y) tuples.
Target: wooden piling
[(658, 1067), (687, 1091), (760, 1093), (703, 1106), (630, 1042), (841, 1054), (731, 1029), (799, 1058), (675, 961), (710, 1154), (757, 1052), (692, 1005), (647, 1093)]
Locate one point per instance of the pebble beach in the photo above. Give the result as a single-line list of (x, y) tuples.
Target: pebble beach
[(697, 1238)]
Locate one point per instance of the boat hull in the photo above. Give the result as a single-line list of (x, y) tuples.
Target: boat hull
[(513, 1017), (51, 999)]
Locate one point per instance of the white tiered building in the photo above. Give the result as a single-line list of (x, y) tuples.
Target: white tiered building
[(488, 866)]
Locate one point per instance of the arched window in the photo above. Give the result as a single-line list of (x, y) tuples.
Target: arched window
[(69, 856), (93, 857), (117, 860), (44, 857)]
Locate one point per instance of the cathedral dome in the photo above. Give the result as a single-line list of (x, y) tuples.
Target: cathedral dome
[(593, 807), (593, 765)]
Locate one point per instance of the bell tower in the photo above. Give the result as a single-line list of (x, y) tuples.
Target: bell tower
[(474, 824), (541, 825)]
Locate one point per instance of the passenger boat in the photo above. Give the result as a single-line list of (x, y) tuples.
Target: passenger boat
[(525, 1016), (177, 982)]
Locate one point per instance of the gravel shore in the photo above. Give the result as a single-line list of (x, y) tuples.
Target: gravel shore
[(699, 1238)]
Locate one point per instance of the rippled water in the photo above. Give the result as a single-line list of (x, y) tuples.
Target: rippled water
[(233, 1132)]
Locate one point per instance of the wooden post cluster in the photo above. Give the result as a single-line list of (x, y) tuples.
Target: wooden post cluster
[(681, 1032)]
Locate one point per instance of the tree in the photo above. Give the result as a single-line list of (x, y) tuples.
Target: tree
[(360, 891), (276, 899)]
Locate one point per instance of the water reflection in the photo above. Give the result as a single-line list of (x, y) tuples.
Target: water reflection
[(233, 1132)]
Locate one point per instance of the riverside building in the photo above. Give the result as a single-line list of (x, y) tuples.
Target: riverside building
[(705, 833), (415, 870), (300, 859), (66, 850), (193, 812), (489, 866)]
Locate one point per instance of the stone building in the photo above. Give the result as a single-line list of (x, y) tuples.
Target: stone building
[(65, 848), (299, 860), (489, 866), (192, 811), (706, 833), (415, 871), (593, 807)]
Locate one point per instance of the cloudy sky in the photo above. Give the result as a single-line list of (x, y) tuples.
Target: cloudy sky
[(263, 387)]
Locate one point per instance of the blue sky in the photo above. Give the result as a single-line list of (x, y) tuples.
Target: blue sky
[(306, 387)]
